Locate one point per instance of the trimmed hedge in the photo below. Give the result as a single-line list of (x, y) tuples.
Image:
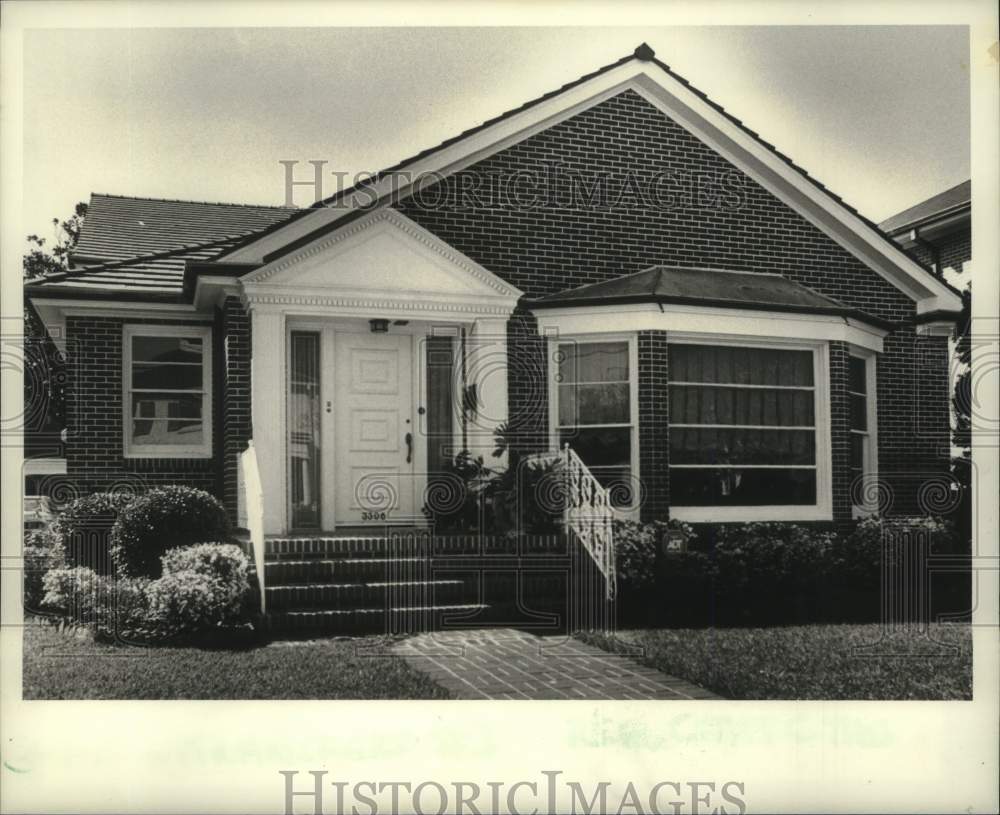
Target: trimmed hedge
[(164, 519), (203, 587), (771, 573), (84, 527)]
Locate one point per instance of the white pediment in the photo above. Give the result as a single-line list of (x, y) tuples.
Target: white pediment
[(383, 257)]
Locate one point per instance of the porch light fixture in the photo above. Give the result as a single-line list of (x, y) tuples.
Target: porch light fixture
[(379, 326)]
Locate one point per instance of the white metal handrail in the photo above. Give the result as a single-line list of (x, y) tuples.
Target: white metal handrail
[(253, 502), (587, 512)]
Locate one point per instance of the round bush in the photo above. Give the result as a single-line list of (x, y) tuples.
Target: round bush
[(164, 519), (83, 529), (202, 587)]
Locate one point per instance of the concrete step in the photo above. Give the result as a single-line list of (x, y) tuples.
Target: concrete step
[(348, 596)]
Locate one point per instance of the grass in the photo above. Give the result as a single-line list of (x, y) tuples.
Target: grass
[(63, 666), (811, 662)]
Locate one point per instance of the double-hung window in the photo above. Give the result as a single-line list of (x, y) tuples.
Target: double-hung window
[(167, 391), (594, 410), (747, 425), (861, 398)]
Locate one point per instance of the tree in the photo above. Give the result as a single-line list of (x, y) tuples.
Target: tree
[(44, 414), (39, 261)]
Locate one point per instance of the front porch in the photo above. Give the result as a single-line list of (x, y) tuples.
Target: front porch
[(377, 354)]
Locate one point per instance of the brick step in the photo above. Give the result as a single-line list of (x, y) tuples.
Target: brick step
[(416, 545), (371, 620), (347, 596), (343, 570)]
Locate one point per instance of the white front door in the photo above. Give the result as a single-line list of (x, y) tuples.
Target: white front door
[(375, 443)]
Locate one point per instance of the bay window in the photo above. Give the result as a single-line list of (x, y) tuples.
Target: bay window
[(167, 391), (747, 432), (594, 405)]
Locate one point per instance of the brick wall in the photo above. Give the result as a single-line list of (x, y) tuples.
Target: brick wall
[(840, 433), (544, 236), (954, 250), (95, 458), (234, 381)]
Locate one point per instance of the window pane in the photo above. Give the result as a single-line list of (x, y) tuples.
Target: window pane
[(691, 404), (858, 443), (593, 362), (618, 482), (735, 487), (594, 404), (166, 406), (167, 349), (740, 366), (856, 379), (859, 412), (599, 446), (162, 431), (721, 446), (166, 376)]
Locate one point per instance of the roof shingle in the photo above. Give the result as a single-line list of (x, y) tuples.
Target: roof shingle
[(706, 287), (119, 227)]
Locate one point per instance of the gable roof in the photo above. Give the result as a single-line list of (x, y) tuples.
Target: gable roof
[(677, 98), (119, 227), (949, 202), (703, 287)]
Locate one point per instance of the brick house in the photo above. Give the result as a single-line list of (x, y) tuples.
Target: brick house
[(938, 231), (619, 265)]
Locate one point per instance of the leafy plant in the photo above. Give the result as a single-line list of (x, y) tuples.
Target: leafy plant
[(164, 519), (84, 528), (42, 552)]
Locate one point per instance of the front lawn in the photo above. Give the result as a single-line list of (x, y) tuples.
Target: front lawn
[(811, 662), (62, 666)]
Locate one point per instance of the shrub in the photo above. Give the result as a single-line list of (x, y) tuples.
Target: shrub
[(453, 501), (859, 555), (42, 551), (113, 608), (163, 519), (858, 563), (770, 572), (83, 529), (636, 545), (203, 586)]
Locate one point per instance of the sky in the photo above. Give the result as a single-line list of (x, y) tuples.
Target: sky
[(878, 114)]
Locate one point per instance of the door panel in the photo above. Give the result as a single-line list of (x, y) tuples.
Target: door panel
[(373, 415)]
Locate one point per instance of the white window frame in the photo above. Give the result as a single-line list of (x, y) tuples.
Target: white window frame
[(133, 450), (554, 341), (869, 467), (822, 510)]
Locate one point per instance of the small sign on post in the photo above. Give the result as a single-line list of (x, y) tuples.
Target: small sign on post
[(674, 542)]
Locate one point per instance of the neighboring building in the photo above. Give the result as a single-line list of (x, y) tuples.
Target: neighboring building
[(619, 265), (938, 231)]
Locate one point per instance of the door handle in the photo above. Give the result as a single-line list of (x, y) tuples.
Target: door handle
[(408, 438)]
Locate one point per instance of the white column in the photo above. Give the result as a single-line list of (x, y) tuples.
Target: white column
[(267, 386), (486, 368)]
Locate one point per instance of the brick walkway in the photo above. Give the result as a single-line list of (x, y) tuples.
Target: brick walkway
[(505, 663)]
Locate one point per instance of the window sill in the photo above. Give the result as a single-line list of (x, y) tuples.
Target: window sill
[(133, 455), (750, 513)]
